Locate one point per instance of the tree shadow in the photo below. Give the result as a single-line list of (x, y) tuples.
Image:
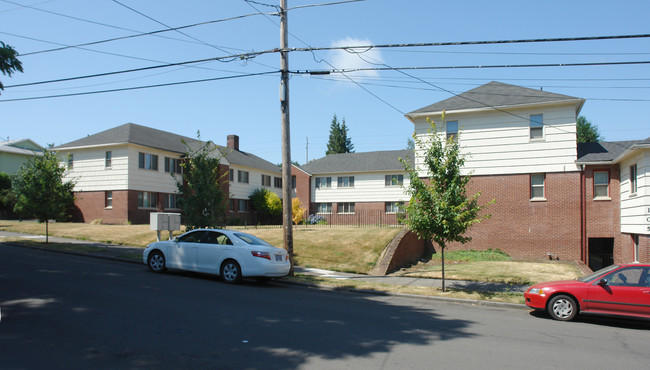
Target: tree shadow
[(101, 314), (602, 320)]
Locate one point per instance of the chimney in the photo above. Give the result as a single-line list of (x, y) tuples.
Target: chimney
[(233, 142)]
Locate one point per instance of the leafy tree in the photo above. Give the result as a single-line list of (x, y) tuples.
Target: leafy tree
[(7, 196), (202, 199), (339, 141), (267, 203), (587, 132), (439, 209), (9, 62), (297, 211), (40, 190)]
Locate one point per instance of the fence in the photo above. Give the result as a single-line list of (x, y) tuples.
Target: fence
[(359, 219)]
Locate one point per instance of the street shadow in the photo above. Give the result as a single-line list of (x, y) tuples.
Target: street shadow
[(601, 320)]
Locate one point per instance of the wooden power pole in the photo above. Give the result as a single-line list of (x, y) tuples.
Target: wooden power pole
[(287, 223)]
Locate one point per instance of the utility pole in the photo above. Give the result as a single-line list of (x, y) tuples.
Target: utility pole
[(287, 223)]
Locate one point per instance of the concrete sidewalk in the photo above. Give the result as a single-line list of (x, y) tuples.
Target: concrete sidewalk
[(128, 254)]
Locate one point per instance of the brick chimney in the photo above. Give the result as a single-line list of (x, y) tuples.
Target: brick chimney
[(233, 142)]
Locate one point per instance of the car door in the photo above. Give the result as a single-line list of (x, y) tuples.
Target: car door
[(185, 250), (623, 292), (212, 251)]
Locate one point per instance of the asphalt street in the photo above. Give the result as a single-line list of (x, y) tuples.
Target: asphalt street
[(67, 311)]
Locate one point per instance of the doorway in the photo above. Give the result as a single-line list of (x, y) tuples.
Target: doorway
[(601, 253)]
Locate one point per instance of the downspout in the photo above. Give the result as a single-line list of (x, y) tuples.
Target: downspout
[(583, 217)]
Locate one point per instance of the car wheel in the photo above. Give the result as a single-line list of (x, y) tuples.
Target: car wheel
[(562, 307), (156, 262), (231, 272)]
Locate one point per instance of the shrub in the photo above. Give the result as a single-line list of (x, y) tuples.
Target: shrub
[(316, 220)]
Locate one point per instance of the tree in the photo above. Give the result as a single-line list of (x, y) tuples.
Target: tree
[(7, 196), (8, 61), (297, 211), (439, 209), (40, 190), (267, 203), (339, 141), (201, 200), (586, 131)]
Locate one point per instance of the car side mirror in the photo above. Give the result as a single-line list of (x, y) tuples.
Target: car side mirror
[(602, 282)]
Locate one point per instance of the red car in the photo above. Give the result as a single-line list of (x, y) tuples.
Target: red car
[(622, 290)]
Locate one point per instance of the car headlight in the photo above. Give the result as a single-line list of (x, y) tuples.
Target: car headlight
[(537, 291)]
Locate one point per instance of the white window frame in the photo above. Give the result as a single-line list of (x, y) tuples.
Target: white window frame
[(600, 185), (266, 180), (534, 185), (345, 182), (242, 176), (323, 208), (346, 208), (323, 182), (108, 159), (392, 207), (536, 126), (451, 127), (108, 199), (147, 199), (393, 180), (633, 180), (148, 161)]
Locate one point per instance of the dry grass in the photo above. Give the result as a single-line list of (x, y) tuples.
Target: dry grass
[(515, 272), (509, 297)]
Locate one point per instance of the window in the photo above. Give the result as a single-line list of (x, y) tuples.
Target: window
[(170, 201), (147, 199), (231, 205), (452, 131), (172, 165), (345, 208), (633, 176), (394, 207), (635, 242), (266, 180), (277, 182), (193, 237), (323, 182), (601, 184), (323, 207), (394, 180), (630, 276), (148, 161), (536, 126), (537, 186), (108, 199), (231, 175), (70, 161), (346, 182), (108, 162), (293, 182), (242, 176), (242, 205)]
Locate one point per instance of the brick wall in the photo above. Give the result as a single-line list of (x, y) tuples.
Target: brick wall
[(524, 228), (303, 187), (90, 206)]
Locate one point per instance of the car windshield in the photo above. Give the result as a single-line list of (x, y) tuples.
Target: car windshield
[(598, 273), (251, 239)]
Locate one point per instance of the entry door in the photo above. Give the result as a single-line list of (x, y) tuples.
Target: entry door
[(601, 253)]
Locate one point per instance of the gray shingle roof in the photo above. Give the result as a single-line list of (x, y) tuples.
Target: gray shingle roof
[(494, 94), (134, 134), (604, 151), (153, 138), (360, 162)]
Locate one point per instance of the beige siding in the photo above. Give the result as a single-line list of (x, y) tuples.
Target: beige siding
[(635, 208), (368, 187), (240, 190), (149, 180), (89, 170), (499, 143)]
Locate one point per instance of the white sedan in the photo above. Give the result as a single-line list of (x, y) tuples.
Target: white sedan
[(227, 253)]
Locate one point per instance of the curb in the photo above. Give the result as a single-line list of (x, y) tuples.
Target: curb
[(323, 287)]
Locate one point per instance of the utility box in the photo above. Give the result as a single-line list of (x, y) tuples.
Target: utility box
[(161, 221)]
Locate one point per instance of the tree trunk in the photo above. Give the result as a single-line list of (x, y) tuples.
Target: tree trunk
[(46, 232), (443, 268)]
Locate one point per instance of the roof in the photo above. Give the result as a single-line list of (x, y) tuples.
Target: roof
[(604, 152), (494, 95), (131, 133), (134, 134), (360, 162), (21, 146)]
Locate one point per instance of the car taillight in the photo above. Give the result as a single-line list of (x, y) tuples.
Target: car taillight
[(266, 255)]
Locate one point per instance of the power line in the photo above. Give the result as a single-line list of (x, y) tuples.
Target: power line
[(139, 87)]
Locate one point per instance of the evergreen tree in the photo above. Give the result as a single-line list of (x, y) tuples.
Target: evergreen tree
[(339, 141), (586, 131), (8, 61)]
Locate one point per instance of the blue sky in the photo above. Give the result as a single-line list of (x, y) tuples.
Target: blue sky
[(618, 97)]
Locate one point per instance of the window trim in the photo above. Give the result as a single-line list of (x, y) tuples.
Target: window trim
[(328, 208), (318, 183), (341, 208), (453, 135), (243, 177), (394, 207), (532, 127), (152, 196), (601, 197), (533, 186), (70, 161), (634, 177), (340, 182), (388, 181), (108, 199), (266, 183), (142, 161), (108, 159)]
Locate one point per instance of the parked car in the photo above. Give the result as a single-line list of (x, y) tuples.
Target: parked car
[(622, 290), (230, 254)]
